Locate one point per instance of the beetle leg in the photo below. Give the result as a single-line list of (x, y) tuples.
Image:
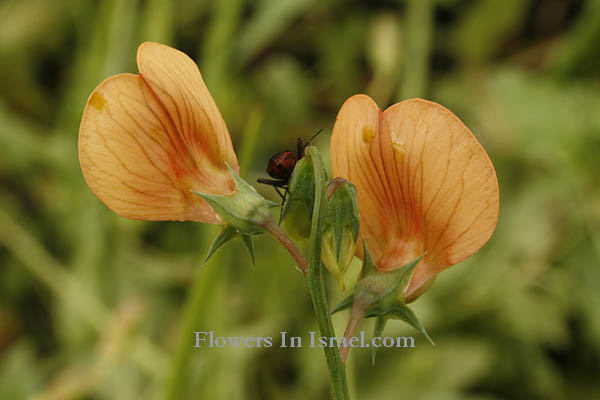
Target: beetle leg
[(283, 198), (273, 182), (300, 148), (280, 194)]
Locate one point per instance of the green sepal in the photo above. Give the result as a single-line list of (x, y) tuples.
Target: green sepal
[(402, 312), (228, 233), (223, 237), (390, 302), (375, 285), (377, 331), (368, 267), (249, 243), (381, 294), (342, 305), (244, 209)]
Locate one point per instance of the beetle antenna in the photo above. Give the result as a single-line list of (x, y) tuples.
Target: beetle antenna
[(316, 134)]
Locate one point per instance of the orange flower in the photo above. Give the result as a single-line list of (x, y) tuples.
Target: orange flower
[(423, 181), (147, 140)]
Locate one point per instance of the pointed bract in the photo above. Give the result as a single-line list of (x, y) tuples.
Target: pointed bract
[(223, 237), (343, 305), (249, 243)]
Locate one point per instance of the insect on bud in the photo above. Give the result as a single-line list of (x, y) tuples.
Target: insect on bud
[(341, 224)]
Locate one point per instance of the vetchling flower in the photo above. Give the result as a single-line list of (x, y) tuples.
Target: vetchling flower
[(154, 146), (147, 141), (424, 184)]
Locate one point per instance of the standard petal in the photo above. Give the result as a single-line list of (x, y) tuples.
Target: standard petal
[(448, 180), (435, 184), (176, 81), (130, 158)]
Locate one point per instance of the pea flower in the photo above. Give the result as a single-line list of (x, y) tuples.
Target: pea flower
[(424, 185), (147, 141)]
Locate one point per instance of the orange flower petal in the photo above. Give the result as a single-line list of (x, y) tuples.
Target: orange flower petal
[(176, 81), (142, 149), (424, 183), (352, 142)]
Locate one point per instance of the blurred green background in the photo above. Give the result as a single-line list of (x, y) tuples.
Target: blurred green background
[(91, 303)]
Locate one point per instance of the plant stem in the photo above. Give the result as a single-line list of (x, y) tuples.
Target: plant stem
[(337, 372), (419, 29), (271, 226)]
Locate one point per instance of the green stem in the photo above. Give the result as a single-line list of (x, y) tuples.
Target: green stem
[(419, 29), (337, 372)]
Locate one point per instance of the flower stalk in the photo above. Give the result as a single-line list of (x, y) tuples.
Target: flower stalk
[(275, 230), (316, 286)]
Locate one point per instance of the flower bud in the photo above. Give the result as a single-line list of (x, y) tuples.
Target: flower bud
[(298, 208), (341, 224)]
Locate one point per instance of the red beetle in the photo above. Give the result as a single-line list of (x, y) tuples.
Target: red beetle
[(281, 166)]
